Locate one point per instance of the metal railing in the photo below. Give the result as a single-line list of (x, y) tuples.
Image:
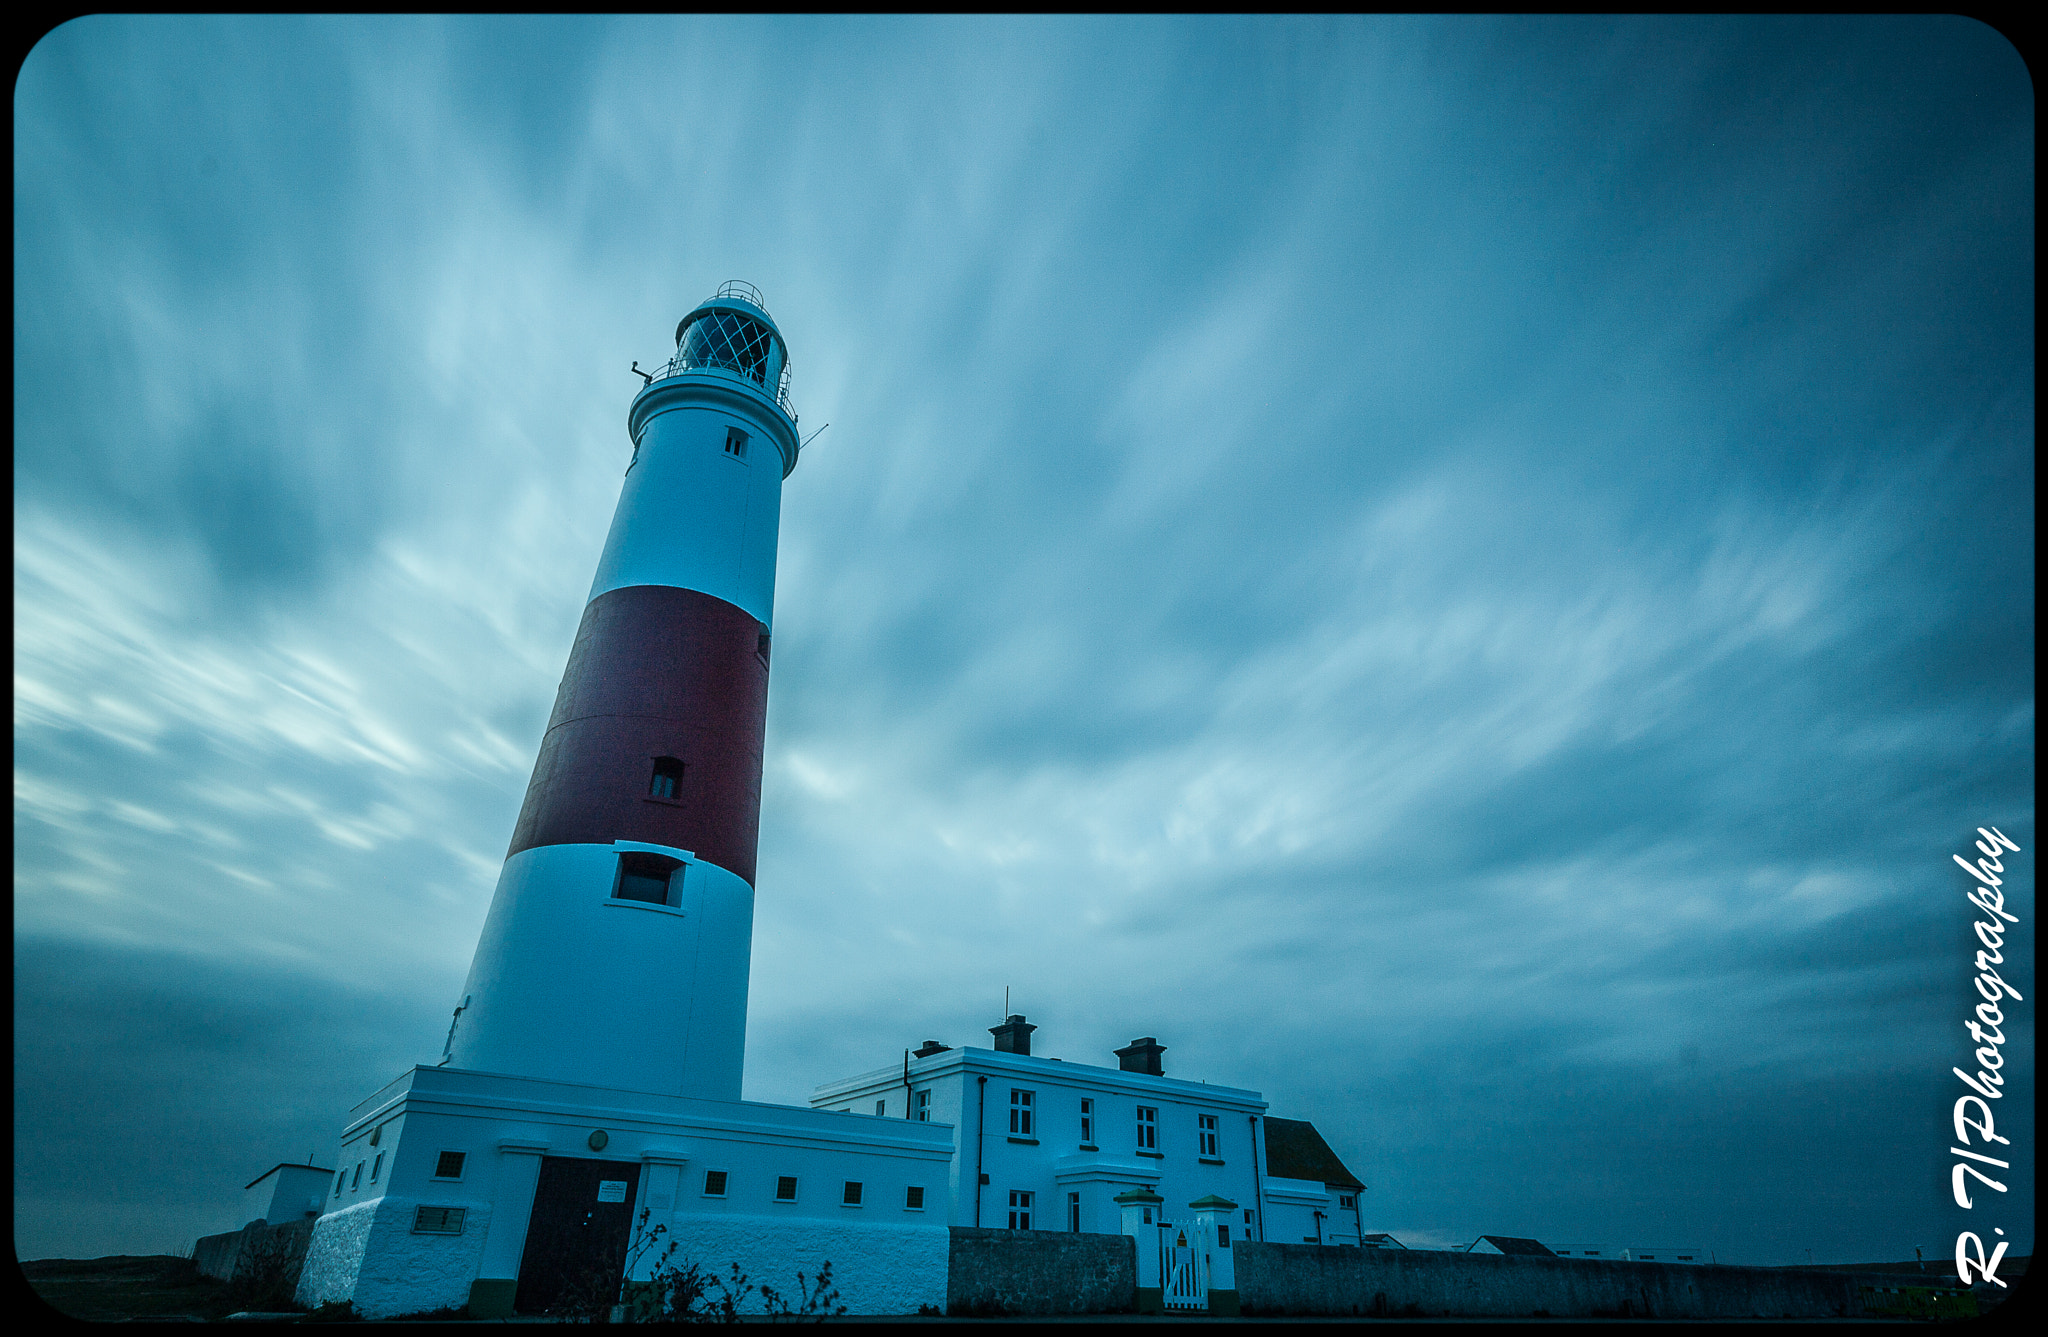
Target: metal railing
[(746, 292), (675, 366)]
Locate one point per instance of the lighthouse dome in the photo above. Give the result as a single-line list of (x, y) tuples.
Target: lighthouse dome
[(731, 331)]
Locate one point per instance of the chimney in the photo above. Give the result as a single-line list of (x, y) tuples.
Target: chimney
[(1141, 1055), (1013, 1036), (928, 1048)]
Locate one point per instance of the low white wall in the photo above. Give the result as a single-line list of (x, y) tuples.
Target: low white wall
[(335, 1254), (892, 1269)]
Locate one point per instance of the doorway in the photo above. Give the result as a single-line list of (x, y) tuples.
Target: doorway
[(577, 1236)]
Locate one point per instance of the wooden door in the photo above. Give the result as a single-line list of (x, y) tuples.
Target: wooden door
[(577, 1236)]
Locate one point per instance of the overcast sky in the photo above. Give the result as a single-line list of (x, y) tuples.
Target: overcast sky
[(1467, 574)]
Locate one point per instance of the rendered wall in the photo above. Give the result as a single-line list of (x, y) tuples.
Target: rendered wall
[(369, 1255), (877, 1269), (1305, 1279), (990, 1272)]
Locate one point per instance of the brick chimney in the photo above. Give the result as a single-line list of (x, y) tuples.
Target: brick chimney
[(1013, 1036), (1141, 1055)]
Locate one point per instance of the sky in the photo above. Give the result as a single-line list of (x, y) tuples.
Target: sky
[(1467, 574)]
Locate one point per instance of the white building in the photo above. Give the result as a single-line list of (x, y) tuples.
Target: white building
[(1641, 1253), (284, 1193), (1043, 1144)]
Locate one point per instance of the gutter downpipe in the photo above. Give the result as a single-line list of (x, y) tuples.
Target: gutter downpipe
[(980, 1118), (1258, 1198)]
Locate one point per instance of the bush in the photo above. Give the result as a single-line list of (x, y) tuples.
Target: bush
[(267, 1277)]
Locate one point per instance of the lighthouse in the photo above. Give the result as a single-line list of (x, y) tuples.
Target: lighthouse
[(587, 1097), (616, 948)]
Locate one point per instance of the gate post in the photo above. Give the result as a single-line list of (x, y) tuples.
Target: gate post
[(1140, 1213), (1212, 1225)]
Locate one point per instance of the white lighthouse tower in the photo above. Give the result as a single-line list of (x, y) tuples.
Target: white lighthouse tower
[(589, 1088), (617, 945)]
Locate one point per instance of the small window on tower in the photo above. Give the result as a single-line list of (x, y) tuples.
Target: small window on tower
[(448, 1165), (913, 1198), (761, 647), (714, 1183), (735, 443), (850, 1195), (668, 778), (785, 1188), (648, 877)]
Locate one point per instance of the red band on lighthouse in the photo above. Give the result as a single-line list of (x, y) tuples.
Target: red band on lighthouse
[(658, 675)]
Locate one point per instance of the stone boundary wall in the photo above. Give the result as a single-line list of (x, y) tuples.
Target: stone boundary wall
[(1039, 1272), (1311, 1279), (226, 1256)]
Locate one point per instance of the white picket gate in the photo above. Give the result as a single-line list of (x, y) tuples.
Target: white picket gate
[(1180, 1268)]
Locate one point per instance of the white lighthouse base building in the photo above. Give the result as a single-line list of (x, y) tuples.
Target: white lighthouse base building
[(468, 1190)]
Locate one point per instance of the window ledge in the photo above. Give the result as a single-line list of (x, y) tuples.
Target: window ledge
[(1155, 1155), (1087, 1146), (1210, 1160), (664, 802), (1025, 1141), (621, 902)]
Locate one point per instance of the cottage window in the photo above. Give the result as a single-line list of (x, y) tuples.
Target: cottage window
[(1020, 1210), (1148, 1128), (924, 1107), (1087, 1123), (1207, 1131), (1020, 1113), (1074, 1212)]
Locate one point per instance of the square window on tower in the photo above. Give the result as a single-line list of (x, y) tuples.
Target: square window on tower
[(653, 878), (735, 443), (668, 779)]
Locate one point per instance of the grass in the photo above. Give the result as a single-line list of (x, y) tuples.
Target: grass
[(103, 1290)]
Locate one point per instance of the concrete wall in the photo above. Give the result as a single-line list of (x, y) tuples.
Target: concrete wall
[(224, 1256), (1039, 1272), (1304, 1279)]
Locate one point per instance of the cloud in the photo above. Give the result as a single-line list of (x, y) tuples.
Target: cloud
[(1437, 565)]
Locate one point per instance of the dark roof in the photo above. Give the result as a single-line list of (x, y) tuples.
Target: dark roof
[(1386, 1241), (281, 1165), (1509, 1244), (1295, 1150)]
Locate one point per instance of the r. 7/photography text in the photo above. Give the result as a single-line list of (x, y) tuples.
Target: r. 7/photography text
[(1987, 1031)]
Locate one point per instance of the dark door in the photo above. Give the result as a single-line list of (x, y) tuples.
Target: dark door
[(576, 1239)]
